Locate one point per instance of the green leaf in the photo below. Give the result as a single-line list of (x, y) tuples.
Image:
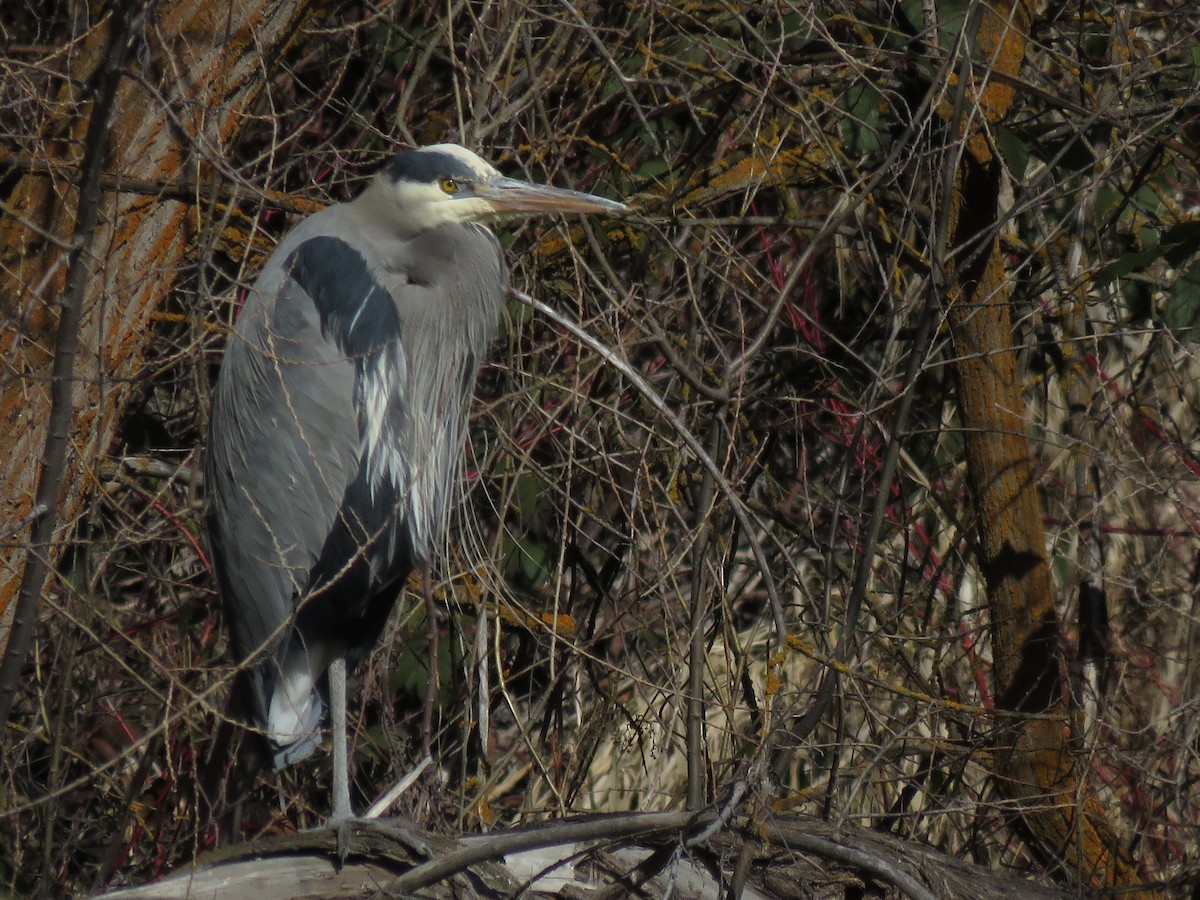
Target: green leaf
[(531, 505), (1130, 262), (533, 561), (860, 128), (951, 14), (1180, 242), (653, 168), (1107, 198), (526, 561), (1176, 246), (1014, 152), (518, 313), (1181, 311)]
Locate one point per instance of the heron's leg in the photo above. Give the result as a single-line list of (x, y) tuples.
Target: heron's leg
[(337, 711), (432, 640)]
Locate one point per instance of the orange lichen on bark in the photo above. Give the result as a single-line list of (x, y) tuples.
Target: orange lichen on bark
[(791, 167), (1001, 38), (1000, 43), (1034, 766), (163, 122)]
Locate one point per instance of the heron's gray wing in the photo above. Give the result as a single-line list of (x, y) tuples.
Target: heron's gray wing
[(293, 512), (283, 448), (337, 438)]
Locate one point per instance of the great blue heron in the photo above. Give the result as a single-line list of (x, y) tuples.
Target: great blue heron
[(338, 425)]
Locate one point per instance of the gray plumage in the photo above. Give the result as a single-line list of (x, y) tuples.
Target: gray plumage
[(339, 420), (328, 398)]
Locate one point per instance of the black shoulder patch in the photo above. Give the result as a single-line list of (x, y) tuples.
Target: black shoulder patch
[(427, 166), (356, 310)]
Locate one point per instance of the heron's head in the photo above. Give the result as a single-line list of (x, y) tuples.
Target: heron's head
[(446, 183)]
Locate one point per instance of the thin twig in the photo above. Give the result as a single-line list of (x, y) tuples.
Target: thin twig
[(739, 507), (380, 806), (39, 510)]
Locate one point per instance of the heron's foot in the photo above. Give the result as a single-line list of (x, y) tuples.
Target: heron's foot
[(340, 822), (343, 841), (343, 829)]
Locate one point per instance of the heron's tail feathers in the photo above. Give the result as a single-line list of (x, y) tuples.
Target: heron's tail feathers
[(296, 708)]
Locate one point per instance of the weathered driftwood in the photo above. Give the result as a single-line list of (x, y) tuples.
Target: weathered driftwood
[(618, 855)]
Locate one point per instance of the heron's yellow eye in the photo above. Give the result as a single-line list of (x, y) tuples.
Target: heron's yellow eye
[(449, 185)]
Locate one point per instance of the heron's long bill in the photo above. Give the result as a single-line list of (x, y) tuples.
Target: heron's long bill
[(507, 195)]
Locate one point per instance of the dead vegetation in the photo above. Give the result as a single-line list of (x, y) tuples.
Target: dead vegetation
[(734, 444)]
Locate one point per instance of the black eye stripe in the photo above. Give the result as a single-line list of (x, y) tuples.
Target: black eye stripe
[(428, 167)]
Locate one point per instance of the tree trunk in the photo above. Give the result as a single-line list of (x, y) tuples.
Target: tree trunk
[(196, 68), (1033, 763)]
